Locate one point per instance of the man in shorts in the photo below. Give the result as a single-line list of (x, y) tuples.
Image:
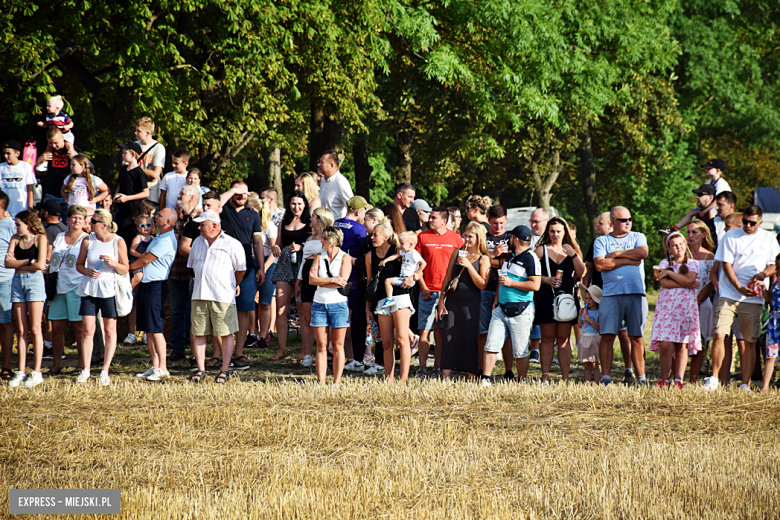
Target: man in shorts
[(219, 264)]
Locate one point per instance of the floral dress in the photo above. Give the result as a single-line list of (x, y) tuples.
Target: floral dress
[(676, 317), (773, 327)]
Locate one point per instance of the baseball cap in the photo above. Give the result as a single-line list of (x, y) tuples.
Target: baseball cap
[(132, 145), (52, 208), (358, 202), (715, 163), (523, 233), (593, 290), (209, 215), (421, 205), (12, 144), (705, 189)]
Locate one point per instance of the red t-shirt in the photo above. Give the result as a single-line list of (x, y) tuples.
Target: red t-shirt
[(436, 250)]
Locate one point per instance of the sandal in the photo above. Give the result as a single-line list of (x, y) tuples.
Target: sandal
[(53, 372), (279, 356), (214, 362), (222, 377), (6, 374), (197, 377), (296, 359)]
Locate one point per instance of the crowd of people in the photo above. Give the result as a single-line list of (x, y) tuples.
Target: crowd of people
[(370, 286)]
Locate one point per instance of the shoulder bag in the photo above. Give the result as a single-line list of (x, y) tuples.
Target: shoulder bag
[(564, 306), (372, 287), (123, 296), (344, 291)]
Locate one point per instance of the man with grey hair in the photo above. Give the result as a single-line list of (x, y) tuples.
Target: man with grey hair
[(539, 219), (619, 257)]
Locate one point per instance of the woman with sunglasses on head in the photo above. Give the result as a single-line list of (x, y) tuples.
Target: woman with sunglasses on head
[(562, 265), (455, 219), (102, 256)]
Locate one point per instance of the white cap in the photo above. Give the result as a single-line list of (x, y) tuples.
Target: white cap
[(209, 215)]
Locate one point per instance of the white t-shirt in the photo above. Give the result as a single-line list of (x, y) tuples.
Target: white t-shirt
[(747, 254), (14, 181), (334, 194), (155, 157), (720, 227), (270, 232), (410, 262), (80, 194), (720, 185), (172, 183)]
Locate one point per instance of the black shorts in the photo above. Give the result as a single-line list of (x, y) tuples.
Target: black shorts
[(90, 306), (150, 309)]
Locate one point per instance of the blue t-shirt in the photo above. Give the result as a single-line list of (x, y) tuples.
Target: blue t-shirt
[(354, 234), (7, 230), (587, 328), (629, 279), (164, 248), (520, 269)]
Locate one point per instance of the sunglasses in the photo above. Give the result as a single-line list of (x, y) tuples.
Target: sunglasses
[(624, 220), (96, 221), (144, 225), (750, 223)]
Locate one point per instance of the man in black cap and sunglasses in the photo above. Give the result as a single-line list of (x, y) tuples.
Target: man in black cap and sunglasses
[(619, 256)]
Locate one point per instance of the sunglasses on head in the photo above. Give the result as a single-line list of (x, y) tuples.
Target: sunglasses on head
[(750, 223), (624, 220)]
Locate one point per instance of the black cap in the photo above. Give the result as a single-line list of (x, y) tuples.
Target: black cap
[(13, 144), (523, 233), (705, 189), (132, 145), (718, 164), (52, 208)]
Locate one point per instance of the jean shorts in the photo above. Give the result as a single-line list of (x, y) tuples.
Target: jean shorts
[(333, 315), (403, 301), (28, 287), (427, 312), (485, 310), (6, 316), (65, 307), (613, 310), (245, 301), (267, 288), (518, 328), (536, 332)]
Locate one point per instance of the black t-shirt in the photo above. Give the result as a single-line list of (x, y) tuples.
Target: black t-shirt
[(595, 279), (131, 182), (58, 169), (244, 224), (492, 242), (390, 270), (361, 252), (411, 219)]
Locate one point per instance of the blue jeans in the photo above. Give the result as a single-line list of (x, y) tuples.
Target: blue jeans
[(518, 328), (180, 299), (268, 287)]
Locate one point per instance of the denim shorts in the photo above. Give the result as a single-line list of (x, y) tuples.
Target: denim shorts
[(518, 328), (28, 287), (245, 301), (6, 316), (485, 310), (536, 332), (403, 301), (333, 315), (426, 309), (90, 306), (266, 289), (613, 310), (65, 307)]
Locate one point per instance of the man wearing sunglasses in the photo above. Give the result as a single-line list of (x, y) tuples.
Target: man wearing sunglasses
[(619, 257), (746, 255)]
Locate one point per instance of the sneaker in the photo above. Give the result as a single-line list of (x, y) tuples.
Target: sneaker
[(678, 385), (176, 357), (509, 375), (143, 339), (643, 382), (193, 364), (251, 340), (104, 379), (158, 374), (355, 366), (17, 380), (388, 302), (743, 387), (533, 357), (375, 370), (146, 374), (555, 360), (268, 336), (83, 376), (629, 378), (711, 383), (663, 383), (35, 379), (262, 343), (47, 344), (436, 373), (422, 374), (130, 339), (306, 361), (606, 380), (48, 353), (239, 364), (485, 382)]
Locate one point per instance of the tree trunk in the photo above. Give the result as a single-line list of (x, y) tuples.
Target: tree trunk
[(272, 169), (326, 132), (403, 140), (588, 181), (545, 173), (316, 132), (362, 167)]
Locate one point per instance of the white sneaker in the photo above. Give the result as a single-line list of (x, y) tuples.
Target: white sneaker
[(17, 380), (35, 379), (355, 366), (83, 376), (485, 382), (369, 360), (47, 344), (146, 374), (743, 387), (711, 383), (375, 370), (104, 379), (306, 361), (130, 339), (158, 374), (143, 340)]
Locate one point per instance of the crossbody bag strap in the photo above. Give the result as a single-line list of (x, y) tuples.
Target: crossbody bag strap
[(147, 151), (549, 273)]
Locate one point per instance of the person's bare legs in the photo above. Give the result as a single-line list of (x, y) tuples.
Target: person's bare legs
[(769, 368), (697, 362), (57, 343), (227, 351), (665, 352), (35, 310), (307, 331), (272, 323), (199, 351), (481, 340), (563, 334), (109, 329), (157, 343), (321, 335), (506, 352), (7, 343), (88, 326), (216, 347), (264, 319), (245, 326), (546, 351), (131, 321), (424, 347), (401, 324), (718, 355), (284, 292), (680, 360), (348, 353), (638, 354), (606, 353), (625, 348), (337, 340), (747, 360), (522, 366)]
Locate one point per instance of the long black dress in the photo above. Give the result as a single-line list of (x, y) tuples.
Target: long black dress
[(461, 324)]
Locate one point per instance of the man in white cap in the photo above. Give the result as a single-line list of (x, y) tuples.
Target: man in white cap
[(219, 263)]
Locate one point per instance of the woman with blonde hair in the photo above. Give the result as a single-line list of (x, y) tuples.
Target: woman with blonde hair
[(81, 187), (27, 256), (266, 289), (702, 249), (358, 321), (460, 309), (307, 184), (103, 255)]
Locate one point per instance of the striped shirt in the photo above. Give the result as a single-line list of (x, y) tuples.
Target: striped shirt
[(215, 268)]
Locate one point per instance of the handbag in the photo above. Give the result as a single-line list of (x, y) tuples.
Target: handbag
[(123, 296), (453, 284), (372, 287), (344, 291), (564, 305)]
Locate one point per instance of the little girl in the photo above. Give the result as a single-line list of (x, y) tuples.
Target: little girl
[(772, 297), (193, 179), (411, 262), (144, 226), (81, 188), (588, 344), (676, 333)]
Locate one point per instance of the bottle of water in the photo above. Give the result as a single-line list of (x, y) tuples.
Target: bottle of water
[(98, 264)]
